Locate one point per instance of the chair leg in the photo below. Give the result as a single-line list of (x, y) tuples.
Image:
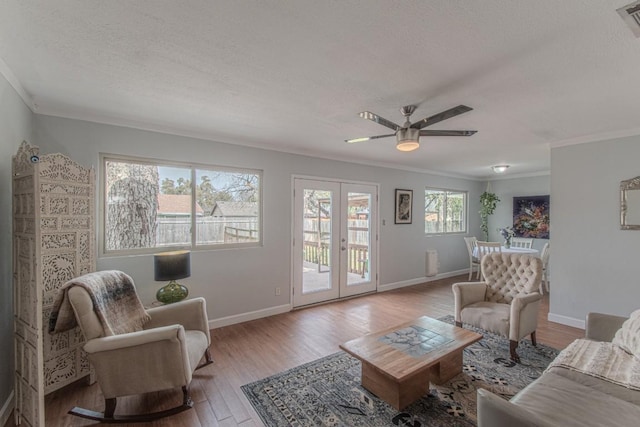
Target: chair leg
[(459, 324), (208, 360), (533, 338), (470, 271), (513, 345), (110, 407)]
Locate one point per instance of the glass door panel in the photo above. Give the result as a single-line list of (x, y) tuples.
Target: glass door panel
[(358, 234), (316, 262)]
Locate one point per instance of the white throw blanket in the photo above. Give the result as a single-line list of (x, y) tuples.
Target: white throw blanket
[(602, 360)]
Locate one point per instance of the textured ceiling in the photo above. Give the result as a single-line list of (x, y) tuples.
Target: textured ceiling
[(293, 75)]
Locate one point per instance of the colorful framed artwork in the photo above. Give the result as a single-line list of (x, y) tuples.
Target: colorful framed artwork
[(404, 203), (531, 216)]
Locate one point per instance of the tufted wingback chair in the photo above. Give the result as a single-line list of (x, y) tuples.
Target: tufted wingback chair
[(506, 302)]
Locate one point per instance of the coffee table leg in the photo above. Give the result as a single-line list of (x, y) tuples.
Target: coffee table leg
[(397, 394), (447, 368)]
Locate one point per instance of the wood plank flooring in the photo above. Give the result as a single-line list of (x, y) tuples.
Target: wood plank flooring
[(253, 350)]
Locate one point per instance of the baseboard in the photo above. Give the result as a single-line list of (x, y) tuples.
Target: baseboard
[(565, 320), (252, 315), (419, 280), (6, 410)]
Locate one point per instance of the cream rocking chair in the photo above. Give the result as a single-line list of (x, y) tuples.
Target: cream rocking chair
[(162, 356), (507, 302)]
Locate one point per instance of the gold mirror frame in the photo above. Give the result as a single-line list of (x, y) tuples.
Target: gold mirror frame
[(625, 187)]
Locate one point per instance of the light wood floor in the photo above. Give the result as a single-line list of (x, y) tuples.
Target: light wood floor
[(253, 350)]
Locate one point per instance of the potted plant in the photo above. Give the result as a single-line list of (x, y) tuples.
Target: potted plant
[(488, 203)]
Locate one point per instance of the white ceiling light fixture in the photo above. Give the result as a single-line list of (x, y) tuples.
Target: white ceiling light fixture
[(408, 139), (500, 168)]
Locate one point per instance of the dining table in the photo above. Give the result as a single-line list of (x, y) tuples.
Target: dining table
[(512, 250)]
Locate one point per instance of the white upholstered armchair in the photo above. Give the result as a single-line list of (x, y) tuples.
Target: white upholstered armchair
[(161, 353), (506, 302)]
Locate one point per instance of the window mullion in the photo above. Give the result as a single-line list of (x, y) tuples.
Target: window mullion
[(194, 197)]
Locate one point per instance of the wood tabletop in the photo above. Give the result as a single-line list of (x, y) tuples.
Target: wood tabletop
[(400, 364)]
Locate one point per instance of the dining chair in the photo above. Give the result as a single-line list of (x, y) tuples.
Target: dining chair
[(473, 259), (519, 242), (544, 256), (485, 248)]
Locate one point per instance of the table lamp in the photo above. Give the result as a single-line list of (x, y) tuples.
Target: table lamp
[(172, 266)]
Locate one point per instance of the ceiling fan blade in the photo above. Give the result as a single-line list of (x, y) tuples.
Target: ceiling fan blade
[(452, 112), (367, 138), (447, 132), (380, 120)]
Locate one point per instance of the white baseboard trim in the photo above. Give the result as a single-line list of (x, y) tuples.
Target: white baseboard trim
[(252, 315), (418, 280), (565, 320), (6, 410)]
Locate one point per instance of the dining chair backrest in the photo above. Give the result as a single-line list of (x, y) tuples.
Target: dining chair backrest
[(519, 242), (471, 245), (484, 248), (544, 255)]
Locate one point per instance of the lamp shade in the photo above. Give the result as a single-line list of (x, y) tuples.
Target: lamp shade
[(172, 265)]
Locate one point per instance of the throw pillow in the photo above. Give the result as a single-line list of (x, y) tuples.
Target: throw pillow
[(628, 336)]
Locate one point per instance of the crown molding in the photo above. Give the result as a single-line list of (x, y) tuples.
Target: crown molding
[(597, 137)]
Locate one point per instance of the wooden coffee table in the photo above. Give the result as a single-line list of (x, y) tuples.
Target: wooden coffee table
[(399, 362)]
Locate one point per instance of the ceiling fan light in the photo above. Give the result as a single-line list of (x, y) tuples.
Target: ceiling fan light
[(408, 139), (500, 168), (407, 145), (351, 141)]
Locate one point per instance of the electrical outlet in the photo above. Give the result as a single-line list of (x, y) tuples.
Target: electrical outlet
[(278, 291)]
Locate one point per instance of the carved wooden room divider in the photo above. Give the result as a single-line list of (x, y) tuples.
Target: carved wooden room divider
[(53, 242)]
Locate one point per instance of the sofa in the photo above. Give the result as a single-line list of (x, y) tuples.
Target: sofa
[(582, 394)]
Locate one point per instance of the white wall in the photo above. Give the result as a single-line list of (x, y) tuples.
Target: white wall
[(595, 263), (237, 281), (15, 126), (506, 190)]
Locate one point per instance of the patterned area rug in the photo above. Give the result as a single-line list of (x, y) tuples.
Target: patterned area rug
[(327, 392)]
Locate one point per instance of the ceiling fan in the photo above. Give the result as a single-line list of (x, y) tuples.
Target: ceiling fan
[(408, 135)]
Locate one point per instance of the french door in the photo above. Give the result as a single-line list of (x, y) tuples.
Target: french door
[(335, 240)]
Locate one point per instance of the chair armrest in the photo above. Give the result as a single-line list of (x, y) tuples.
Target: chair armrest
[(602, 327), (191, 313), (494, 411), (521, 301), (133, 339), (465, 293), (524, 315)]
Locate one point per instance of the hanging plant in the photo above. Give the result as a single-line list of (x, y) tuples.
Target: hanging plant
[(488, 203)]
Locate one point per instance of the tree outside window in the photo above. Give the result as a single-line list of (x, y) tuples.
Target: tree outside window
[(445, 211)]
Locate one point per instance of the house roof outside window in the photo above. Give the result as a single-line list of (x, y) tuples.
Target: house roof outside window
[(176, 205)]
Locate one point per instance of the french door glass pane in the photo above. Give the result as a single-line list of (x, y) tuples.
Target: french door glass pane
[(317, 263), (358, 237)]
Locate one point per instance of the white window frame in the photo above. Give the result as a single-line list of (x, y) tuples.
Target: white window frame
[(102, 205), (465, 209)]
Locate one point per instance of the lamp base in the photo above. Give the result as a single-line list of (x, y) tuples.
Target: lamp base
[(173, 292)]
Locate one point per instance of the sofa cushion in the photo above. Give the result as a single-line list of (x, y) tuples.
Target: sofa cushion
[(490, 316), (607, 387), (560, 401), (628, 336)]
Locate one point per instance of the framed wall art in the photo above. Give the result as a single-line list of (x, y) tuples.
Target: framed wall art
[(531, 217), (404, 203)]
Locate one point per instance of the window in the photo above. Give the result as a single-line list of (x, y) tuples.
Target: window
[(149, 205), (445, 211)]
